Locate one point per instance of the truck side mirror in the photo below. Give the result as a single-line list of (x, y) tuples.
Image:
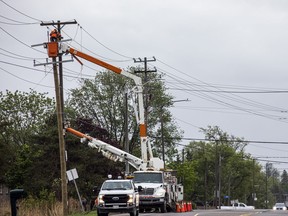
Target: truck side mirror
[(14, 195), (140, 188)]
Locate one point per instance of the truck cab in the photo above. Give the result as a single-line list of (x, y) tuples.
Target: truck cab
[(159, 190), (118, 195)]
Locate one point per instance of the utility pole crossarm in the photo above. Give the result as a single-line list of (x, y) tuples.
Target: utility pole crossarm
[(57, 23)]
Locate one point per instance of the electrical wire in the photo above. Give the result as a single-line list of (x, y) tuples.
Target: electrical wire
[(215, 100), (20, 40), (227, 140), (6, 23), (225, 86), (20, 56), (128, 57), (19, 11), (18, 22), (90, 51), (243, 100), (231, 92), (224, 110), (264, 147), (223, 103), (34, 69), (25, 79)]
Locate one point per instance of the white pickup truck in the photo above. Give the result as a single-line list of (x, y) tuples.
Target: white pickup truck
[(238, 206), (119, 195)]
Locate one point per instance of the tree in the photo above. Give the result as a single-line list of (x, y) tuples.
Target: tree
[(102, 100), (284, 183), (21, 115), (221, 163)]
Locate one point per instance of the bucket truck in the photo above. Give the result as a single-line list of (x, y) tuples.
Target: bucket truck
[(164, 191)]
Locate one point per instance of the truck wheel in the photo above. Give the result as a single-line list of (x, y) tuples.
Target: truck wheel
[(135, 212), (101, 214), (164, 207)]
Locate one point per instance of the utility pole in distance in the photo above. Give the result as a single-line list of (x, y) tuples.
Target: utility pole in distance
[(145, 71), (60, 114)]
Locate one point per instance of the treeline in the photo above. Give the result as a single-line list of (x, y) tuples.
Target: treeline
[(29, 149)]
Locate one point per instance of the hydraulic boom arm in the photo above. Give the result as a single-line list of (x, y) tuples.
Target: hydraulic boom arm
[(110, 151), (56, 48)]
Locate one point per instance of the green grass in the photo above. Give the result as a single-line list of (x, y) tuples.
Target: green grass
[(91, 213)]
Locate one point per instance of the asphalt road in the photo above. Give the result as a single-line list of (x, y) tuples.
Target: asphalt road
[(217, 212)]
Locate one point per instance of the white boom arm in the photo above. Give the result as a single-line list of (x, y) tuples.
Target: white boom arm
[(110, 151)]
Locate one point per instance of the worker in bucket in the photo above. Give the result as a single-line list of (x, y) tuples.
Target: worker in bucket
[(55, 35)]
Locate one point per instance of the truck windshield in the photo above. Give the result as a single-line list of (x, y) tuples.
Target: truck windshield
[(148, 178), (119, 185)]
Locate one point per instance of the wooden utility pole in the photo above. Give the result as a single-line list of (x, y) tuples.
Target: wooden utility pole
[(61, 140), (60, 115)]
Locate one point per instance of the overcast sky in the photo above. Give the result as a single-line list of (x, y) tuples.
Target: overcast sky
[(228, 57)]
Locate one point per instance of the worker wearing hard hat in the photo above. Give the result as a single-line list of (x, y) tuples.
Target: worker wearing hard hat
[(55, 35)]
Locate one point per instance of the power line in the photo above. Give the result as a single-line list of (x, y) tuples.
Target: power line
[(264, 147), (90, 51), (20, 11), (272, 161), (25, 79), (130, 58), (226, 140), (244, 141), (242, 100), (26, 57), (20, 40), (6, 23), (222, 86), (17, 22), (29, 68), (234, 92), (220, 101)]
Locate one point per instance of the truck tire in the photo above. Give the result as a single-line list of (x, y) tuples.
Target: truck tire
[(101, 214), (163, 207), (135, 212)]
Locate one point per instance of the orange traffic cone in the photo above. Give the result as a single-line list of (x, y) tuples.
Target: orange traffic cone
[(184, 207), (181, 207), (190, 206), (178, 209)]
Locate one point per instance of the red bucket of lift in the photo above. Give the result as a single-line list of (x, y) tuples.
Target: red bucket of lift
[(52, 48)]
